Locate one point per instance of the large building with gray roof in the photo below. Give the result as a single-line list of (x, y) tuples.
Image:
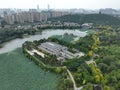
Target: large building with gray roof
[(56, 49)]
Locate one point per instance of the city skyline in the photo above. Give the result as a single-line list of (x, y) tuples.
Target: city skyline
[(60, 4)]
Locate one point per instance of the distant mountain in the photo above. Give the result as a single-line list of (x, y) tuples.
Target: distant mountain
[(102, 19)]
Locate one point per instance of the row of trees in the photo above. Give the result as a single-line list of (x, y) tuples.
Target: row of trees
[(59, 27)]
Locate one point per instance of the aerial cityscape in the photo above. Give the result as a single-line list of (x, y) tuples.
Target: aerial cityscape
[(60, 45)]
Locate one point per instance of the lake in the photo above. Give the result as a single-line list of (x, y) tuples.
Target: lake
[(17, 72), (16, 43)]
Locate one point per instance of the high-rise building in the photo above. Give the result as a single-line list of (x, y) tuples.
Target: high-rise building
[(18, 17), (5, 14), (48, 7), (43, 16), (8, 18), (38, 8), (32, 16), (0, 22)]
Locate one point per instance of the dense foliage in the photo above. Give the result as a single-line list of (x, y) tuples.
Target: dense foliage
[(8, 34), (101, 19), (109, 57)]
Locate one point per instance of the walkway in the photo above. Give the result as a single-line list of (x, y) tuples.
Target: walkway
[(74, 84), (92, 60), (36, 51)]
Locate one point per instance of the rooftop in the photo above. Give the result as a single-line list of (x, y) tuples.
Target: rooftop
[(56, 49), (51, 45)]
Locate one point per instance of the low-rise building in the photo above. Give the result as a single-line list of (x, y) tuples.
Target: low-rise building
[(86, 25), (56, 49), (52, 48)]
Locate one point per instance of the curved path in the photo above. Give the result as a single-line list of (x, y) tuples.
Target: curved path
[(74, 84)]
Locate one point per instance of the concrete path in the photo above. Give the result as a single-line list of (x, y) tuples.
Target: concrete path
[(74, 84)]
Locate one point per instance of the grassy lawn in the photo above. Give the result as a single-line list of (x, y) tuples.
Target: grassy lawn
[(19, 73), (66, 38), (89, 31)]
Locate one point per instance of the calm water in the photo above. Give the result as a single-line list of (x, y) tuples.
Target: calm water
[(17, 72), (16, 43)]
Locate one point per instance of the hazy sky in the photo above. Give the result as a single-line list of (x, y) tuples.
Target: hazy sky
[(58, 4)]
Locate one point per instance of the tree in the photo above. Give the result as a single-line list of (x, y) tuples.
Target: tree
[(90, 53), (97, 79), (68, 82), (89, 86), (58, 70), (106, 87), (103, 67)]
